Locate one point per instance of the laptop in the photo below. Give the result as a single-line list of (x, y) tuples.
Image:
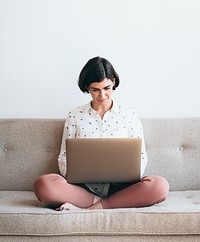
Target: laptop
[(99, 160)]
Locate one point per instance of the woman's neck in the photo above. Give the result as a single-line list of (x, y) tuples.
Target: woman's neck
[(102, 109)]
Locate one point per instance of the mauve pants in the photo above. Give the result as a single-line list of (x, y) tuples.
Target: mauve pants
[(54, 190)]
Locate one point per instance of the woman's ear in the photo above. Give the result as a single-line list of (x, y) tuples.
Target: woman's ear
[(87, 89), (113, 80)]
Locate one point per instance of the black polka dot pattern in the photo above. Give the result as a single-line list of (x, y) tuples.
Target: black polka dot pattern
[(119, 122)]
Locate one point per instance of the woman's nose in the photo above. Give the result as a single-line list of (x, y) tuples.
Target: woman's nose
[(102, 93)]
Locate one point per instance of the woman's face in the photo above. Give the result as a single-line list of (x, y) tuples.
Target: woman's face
[(101, 92)]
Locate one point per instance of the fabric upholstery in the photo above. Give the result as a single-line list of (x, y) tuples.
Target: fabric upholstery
[(170, 143), (29, 148), (22, 214), (173, 147)]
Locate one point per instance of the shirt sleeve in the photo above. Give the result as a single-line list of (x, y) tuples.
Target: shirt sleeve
[(68, 132), (136, 131)]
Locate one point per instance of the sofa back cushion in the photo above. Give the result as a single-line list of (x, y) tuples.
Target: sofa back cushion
[(173, 149), (30, 147)]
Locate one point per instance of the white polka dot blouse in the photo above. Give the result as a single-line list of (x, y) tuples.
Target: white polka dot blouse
[(85, 122)]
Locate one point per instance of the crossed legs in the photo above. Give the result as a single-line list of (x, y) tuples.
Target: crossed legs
[(53, 189)]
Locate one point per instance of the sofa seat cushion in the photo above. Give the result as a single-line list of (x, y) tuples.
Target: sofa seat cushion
[(22, 214)]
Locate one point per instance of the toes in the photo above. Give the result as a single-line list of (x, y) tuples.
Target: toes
[(66, 206), (63, 207)]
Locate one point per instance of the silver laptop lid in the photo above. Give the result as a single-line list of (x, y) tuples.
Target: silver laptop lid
[(94, 160)]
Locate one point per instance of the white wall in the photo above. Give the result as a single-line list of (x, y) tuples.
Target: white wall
[(153, 44)]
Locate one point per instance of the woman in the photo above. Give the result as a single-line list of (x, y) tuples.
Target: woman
[(102, 117)]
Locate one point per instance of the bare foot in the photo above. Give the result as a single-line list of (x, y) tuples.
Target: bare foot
[(97, 205), (69, 207), (96, 199)]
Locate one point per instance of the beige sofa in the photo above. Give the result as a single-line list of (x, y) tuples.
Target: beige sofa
[(29, 148)]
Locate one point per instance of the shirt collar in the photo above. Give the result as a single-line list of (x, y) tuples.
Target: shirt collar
[(115, 107)]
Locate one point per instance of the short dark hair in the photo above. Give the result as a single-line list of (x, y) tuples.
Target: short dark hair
[(96, 70)]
